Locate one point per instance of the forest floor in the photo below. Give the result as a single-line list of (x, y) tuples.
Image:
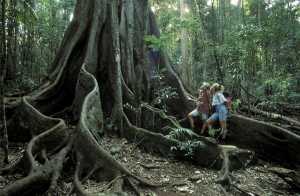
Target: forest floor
[(179, 177)]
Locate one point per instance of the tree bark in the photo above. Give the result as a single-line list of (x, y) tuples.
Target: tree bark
[(88, 86), (268, 141), (11, 53), (3, 69)]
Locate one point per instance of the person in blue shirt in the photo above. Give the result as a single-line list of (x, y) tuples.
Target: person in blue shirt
[(220, 111)]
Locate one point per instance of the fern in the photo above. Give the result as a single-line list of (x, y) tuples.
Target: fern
[(182, 134), (188, 141), (188, 147), (213, 132)]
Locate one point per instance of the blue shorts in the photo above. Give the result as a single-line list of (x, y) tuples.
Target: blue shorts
[(220, 113)]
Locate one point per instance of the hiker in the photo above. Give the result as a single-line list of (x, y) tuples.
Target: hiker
[(220, 111), (203, 104)]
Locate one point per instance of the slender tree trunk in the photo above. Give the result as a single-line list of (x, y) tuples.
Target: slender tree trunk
[(11, 55), (184, 67), (3, 33), (116, 72), (216, 41), (3, 129)]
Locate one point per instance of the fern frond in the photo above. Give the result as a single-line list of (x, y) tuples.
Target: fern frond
[(182, 134)]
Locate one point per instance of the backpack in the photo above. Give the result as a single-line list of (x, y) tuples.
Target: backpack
[(228, 103)]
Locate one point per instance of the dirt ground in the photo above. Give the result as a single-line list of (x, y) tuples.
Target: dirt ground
[(178, 177)]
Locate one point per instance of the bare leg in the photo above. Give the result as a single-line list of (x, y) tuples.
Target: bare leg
[(208, 124), (204, 126), (191, 119), (224, 129)]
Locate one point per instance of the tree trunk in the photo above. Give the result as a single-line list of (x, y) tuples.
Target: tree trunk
[(11, 53), (3, 69)]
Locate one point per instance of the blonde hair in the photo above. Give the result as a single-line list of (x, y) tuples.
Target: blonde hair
[(205, 85), (217, 87), (222, 88)]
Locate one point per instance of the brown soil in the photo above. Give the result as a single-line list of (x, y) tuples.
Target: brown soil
[(178, 177), (184, 178)]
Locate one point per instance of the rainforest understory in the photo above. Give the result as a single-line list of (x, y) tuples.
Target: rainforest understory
[(101, 86)]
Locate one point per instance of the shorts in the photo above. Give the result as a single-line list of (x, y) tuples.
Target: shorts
[(220, 114), (196, 113)]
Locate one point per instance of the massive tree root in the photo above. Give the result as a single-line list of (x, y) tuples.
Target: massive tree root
[(54, 141), (292, 177), (285, 121), (102, 66), (281, 108), (268, 141)]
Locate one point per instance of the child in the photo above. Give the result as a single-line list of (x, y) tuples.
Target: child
[(203, 104), (220, 110)]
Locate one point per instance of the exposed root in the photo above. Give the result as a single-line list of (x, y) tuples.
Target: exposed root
[(246, 193), (133, 186), (108, 185), (91, 172), (35, 182), (44, 155), (223, 190), (86, 60), (58, 166), (13, 167), (77, 184), (205, 148), (92, 156), (225, 179), (292, 177), (3, 128), (275, 116), (31, 146), (39, 177), (268, 141), (117, 185), (168, 120)]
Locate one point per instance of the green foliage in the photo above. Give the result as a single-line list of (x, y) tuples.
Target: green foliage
[(213, 132), (34, 30), (235, 105), (21, 84), (153, 42), (294, 97), (254, 45), (25, 13), (162, 94), (279, 87), (188, 147), (188, 141), (181, 134)]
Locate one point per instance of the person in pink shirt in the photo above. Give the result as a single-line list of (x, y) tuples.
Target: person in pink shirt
[(203, 105)]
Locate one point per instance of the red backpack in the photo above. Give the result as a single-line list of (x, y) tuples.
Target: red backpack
[(228, 102)]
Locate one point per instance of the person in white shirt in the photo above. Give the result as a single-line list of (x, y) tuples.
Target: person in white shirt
[(220, 111)]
